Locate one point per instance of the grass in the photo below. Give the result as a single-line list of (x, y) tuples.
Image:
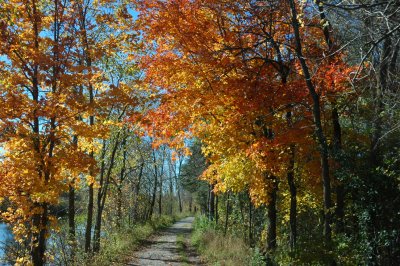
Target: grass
[(218, 249), (182, 249), (117, 248)]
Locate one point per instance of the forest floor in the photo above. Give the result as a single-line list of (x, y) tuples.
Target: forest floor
[(169, 247)]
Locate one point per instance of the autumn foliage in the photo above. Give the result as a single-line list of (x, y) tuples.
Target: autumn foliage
[(266, 89), (230, 77)]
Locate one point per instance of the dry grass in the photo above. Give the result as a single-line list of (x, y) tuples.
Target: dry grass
[(218, 249)]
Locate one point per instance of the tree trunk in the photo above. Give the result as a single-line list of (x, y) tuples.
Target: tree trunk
[(102, 194), (89, 219), (250, 222), (153, 200), (137, 190), (378, 104), (292, 190), (171, 191), (271, 226), (319, 133), (71, 221), (119, 206), (293, 201), (375, 149), (180, 200), (226, 214), (120, 183), (160, 196), (211, 203), (216, 209), (337, 131), (71, 210), (272, 212), (88, 60), (39, 236), (340, 190), (97, 227), (178, 186), (39, 220)]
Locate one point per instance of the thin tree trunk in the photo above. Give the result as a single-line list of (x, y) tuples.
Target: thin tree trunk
[(120, 182), (340, 190), (71, 221), (250, 222), (39, 221), (171, 188), (226, 214), (153, 200), (293, 201), (216, 209), (161, 181), (180, 201), (89, 219), (337, 131), (102, 195), (137, 190), (375, 149), (71, 210), (292, 189), (378, 104), (271, 226), (88, 60), (272, 213), (160, 195), (241, 208), (319, 133), (119, 207), (211, 203), (178, 186)]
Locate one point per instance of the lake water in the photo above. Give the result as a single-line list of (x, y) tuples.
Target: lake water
[(5, 235)]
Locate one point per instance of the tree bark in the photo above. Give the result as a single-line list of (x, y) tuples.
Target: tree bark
[(211, 203), (340, 189), (250, 222), (88, 61), (38, 249), (216, 209), (161, 183), (160, 196), (226, 214), (153, 200), (178, 186), (293, 200), (119, 207), (272, 213), (337, 131), (319, 133), (71, 220), (120, 182), (89, 219), (378, 103), (180, 201), (102, 194), (137, 190)]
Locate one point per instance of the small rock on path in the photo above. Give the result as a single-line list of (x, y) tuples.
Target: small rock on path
[(164, 249)]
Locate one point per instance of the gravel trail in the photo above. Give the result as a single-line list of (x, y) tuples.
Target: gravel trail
[(171, 247)]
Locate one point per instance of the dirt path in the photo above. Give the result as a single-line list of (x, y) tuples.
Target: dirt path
[(171, 247)]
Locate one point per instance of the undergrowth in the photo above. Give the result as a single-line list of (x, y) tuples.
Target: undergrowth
[(118, 246), (219, 249)]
